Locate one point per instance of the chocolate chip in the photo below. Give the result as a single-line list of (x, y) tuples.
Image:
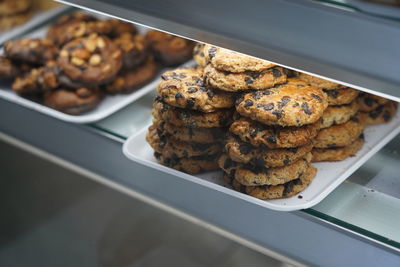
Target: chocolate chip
[(256, 95), (257, 162), (254, 132), (306, 108), (286, 161), (277, 73), (245, 149), (210, 94), (212, 51), (248, 80), (283, 102), (292, 149), (386, 116), (316, 97), (248, 103), (271, 139), (355, 119), (179, 95), (332, 93), (164, 77), (267, 92), (296, 104), (228, 163), (157, 155), (253, 74), (277, 113), (190, 102), (192, 90), (375, 113), (369, 101), (239, 100), (266, 107)]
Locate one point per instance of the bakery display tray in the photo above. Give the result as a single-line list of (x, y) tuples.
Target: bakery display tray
[(109, 105), (329, 176)]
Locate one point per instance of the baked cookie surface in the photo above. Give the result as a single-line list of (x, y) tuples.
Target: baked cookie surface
[(291, 104), (134, 49), (192, 165), (369, 102), (33, 51), (342, 96), (272, 137), (248, 80), (198, 55), (338, 114), (228, 60), (337, 153), (319, 82), (12, 7), (382, 114), (185, 88)]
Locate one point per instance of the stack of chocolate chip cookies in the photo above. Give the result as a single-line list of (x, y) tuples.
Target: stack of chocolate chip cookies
[(341, 125), (190, 120), (376, 109)]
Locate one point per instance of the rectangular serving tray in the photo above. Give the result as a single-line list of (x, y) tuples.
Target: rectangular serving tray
[(329, 176)]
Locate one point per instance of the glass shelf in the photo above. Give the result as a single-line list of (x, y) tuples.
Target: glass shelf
[(367, 203)]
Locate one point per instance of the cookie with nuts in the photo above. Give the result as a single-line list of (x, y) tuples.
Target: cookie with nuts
[(73, 101), (32, 51), (92, 60), (244, 81), (169, 49), (8, 69), (292, 104), (130, 79), (134, 49), (185, 88), (119, 27)]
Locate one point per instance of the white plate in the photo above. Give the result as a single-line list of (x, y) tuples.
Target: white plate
[(329, 176), (36, 20), (109, 105)]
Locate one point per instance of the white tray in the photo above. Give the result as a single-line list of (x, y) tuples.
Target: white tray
[(109, 105), (329, 175)]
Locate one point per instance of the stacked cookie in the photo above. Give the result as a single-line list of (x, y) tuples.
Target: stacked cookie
[(189, 121), (14, 12), (341, 126), (82, 59), (376, 109)]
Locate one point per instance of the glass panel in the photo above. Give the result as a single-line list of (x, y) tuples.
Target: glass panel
[(368, 202)]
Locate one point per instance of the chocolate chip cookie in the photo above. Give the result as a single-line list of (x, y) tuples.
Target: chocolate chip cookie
[(341, 96), (33, 51), (188, 134), (73, 101), (170, 50), (192, 165), (292, 104), (242, 81), (198, 55), (286, 190), (129, 80), (228, 60), (134, 49), (382, 114), (338, 114), (191, 118), (251, 175), (242, 152), (369, 102), (337, 153), (169, 147), (184, 88), (319, 82), (91, 60), (273, 137), (341, 134)]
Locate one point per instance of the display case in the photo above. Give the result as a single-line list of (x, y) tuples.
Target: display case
[(356, 225)]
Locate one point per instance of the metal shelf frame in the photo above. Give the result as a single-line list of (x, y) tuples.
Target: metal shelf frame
[(357, 49), (297, 235)]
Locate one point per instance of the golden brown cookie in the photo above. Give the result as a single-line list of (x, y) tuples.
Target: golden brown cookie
[(11, 21), (272, 137), (92, 60), (242, 81), (119, 27), (184, 88), (169, 147), (188, 134), (134, 49), (169, 49), (369, 102), (228, 60), (292, 104), (191, 118), (382, 114), (338, 114), (8, 69), (192, 165), (245, 153), (129, 80), (33, 51), (198, 55), (341, 96), (12, 7), (319, 82), (341, 134), (251, 175), (337, 153), (73, 101)]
